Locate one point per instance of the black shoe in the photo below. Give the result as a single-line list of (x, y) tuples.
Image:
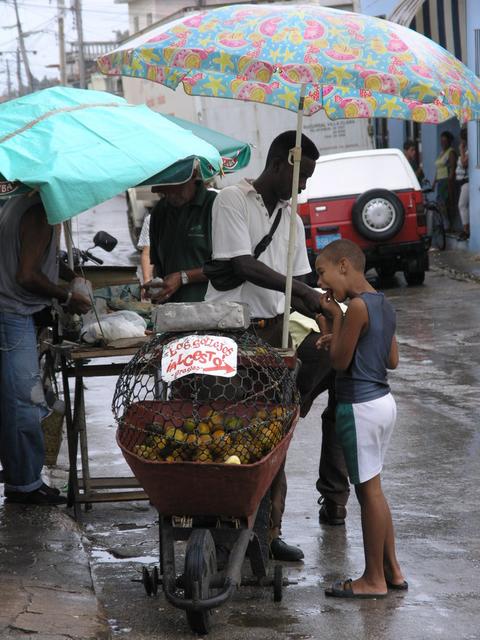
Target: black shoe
[(44, 495), (331, 512), (50, 490), (280, 550)]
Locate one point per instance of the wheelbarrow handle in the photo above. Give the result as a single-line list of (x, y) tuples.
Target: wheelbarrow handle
[(200, 605), (233, 578)]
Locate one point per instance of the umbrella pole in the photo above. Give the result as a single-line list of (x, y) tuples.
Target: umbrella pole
[(297, 156), (67, 230)]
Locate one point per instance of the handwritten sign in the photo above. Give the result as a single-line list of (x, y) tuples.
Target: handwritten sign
[(205, 355)]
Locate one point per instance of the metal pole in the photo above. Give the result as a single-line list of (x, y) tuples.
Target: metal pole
[(22, 48), (67, 230), (19, 74), (9, 80), (81, 61), (61, 42), (297, 156)]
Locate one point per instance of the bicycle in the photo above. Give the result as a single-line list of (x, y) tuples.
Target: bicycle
[(435, 220)]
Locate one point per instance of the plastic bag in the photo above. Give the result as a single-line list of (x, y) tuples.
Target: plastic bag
[(116, 325), (82, 286)]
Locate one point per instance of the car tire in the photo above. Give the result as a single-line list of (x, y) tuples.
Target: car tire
[(378, 215), (414, 278)]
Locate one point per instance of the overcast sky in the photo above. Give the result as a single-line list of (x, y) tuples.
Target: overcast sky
[(100, 19)]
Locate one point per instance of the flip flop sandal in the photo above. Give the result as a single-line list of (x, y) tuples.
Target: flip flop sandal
[(343, 589), (402, 586)]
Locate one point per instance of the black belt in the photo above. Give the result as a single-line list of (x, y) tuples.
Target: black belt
[(262, 323), (462, 182)]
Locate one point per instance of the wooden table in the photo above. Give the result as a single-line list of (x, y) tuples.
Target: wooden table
[(81, 362)]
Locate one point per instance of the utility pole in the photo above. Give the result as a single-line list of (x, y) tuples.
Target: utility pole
[(9, 80), (81, 61), (61, 42), (22, 47), (19, 74)]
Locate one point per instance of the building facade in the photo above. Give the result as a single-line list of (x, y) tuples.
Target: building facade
[(455, 25)]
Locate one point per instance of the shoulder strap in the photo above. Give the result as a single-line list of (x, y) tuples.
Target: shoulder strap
[(265, 241)]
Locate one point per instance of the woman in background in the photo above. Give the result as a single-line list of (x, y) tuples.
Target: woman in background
[(444, 181), (461, 176)]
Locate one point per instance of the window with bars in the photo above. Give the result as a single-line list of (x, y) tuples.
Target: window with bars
[(413, 132), (381, 133)]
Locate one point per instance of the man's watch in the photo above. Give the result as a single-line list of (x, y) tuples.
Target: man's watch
[(184, 277)]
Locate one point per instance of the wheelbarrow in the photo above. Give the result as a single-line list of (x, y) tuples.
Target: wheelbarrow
[(210, 506), (180, 433)]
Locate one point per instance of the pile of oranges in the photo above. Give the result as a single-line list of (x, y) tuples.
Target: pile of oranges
[(214, 437)]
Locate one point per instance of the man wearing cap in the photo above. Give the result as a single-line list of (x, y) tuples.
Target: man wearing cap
[(181, 240)]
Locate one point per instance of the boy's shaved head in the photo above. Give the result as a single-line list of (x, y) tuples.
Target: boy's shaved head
[(339, 249)]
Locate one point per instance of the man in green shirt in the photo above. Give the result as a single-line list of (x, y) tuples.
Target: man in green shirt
[(181, 240)]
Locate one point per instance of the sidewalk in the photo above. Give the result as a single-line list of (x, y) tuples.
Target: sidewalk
[(46, 587), (457, 264)]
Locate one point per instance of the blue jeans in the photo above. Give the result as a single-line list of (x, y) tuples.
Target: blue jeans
[(22, 404)]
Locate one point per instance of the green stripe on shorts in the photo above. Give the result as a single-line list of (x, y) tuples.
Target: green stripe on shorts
[(347, 436)]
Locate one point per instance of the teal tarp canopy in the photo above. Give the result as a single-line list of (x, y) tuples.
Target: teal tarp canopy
[(80, 148), (235, 154)]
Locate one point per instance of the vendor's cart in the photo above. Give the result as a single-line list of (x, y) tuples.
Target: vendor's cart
[(206, 449)]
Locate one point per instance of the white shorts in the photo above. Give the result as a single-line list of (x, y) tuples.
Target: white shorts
[(363, 430)]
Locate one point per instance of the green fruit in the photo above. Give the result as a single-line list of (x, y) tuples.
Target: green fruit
[(189, 425)]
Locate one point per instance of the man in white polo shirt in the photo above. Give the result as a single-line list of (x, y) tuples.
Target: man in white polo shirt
[(241, 216)]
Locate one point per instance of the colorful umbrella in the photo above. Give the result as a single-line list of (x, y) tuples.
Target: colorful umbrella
[(352, 65), (80, 148), (304, 58)]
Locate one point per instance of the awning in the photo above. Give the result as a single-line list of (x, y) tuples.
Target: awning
[(444, 21)]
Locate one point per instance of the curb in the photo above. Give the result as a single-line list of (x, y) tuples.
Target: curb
[(454, 272), (46, 586)]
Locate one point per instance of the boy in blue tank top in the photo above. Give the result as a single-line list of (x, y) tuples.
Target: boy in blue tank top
[(362, 347)]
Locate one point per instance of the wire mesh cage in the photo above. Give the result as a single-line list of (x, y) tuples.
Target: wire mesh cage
[(205, 418)]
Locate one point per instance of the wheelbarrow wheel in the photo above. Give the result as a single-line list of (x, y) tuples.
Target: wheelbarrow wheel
[(200, 566), (278, 583)]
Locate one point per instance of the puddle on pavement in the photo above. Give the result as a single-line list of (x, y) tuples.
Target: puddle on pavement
[(252, 620), (100, 534), (101, 556), (130, 526)]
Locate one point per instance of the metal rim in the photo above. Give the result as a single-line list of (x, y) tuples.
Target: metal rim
[(378, 215)]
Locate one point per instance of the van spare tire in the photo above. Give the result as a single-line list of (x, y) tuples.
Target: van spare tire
[(378, 214)]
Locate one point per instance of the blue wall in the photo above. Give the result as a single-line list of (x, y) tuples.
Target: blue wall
[(377, 7)]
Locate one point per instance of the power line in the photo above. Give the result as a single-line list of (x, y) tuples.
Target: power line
[(38, 27), (84, 10)]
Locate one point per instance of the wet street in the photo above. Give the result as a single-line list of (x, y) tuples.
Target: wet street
[(431, 479)]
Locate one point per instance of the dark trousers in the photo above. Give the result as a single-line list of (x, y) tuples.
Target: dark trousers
[(272, 335), (316, 376)]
